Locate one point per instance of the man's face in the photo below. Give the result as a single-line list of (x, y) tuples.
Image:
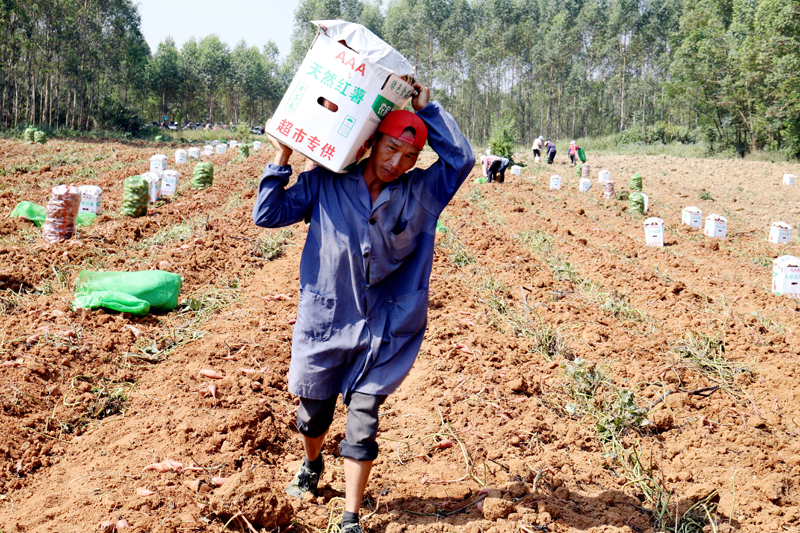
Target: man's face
[(392, 157)]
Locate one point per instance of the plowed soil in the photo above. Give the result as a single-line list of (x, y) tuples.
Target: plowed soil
[(572, 378)]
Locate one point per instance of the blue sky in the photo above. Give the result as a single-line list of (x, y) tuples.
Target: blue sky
[(255, 21)]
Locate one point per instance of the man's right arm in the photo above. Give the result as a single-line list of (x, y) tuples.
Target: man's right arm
[(277, 206)]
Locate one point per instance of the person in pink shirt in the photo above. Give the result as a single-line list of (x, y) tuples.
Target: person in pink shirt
[(573, 152)]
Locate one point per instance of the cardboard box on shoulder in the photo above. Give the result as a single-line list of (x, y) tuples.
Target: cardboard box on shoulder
[(340, 94)]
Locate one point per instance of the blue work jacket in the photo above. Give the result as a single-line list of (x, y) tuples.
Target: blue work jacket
[(365, 269)]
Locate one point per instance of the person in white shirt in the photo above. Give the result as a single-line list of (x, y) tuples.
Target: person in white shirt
[(537, 148)]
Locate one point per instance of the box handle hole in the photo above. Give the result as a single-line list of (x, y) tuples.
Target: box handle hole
[(327, 104)]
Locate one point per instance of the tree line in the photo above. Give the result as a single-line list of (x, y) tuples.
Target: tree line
[(722, 71), (84, 64)]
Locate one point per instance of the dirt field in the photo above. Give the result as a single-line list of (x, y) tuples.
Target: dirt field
[(589, 382)]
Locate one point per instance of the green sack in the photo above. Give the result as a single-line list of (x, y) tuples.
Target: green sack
[(203, 175), (135, 196), (244, 150), (128, 292), (582, 155), (40, 137), (480, 180), (37, 213), (578, 170), (29, 134), (114, 300), (636, 182), (159, 138), (636, 202)]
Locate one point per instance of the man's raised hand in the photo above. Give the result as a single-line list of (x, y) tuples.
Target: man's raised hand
[(421, 96), (282, 152)]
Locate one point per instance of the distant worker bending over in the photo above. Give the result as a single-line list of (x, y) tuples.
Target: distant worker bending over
[(550, 149), (364, 279), (492, 165)]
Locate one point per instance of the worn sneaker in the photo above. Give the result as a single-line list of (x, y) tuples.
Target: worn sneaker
[(305, 480), (350, 528)]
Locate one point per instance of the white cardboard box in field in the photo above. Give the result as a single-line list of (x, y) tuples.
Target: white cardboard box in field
[(194, 153), (215, 142), (584, 184), (158, 163), (716, 226), (646, 202), (789, 179), (91, 196), (153, 180), (692, 216), (780, 233), (786, 276), (256, 145), (604, 176), (555, 182), (654, 231), (169, 182), (180, 156), (222, 148), (516, 170), (362, 80)]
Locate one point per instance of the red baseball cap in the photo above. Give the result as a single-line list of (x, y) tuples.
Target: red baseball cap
[(396, 123)]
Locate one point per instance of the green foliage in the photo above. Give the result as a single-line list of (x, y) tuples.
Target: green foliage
[(658, 133), (706, 355), (503, 138), (116, 116), (705, 195), (271, 247), (459, 253), (30, 134), (244, 133)]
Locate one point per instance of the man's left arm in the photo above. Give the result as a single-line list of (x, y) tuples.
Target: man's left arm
[(441, 181)]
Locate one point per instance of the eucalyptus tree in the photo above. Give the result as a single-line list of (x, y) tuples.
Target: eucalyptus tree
[(164, 73), (777, 22), (213, 69)]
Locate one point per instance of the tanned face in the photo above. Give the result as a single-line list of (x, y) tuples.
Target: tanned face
[(391, 158)]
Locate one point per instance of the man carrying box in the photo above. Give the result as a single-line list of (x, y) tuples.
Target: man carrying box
[(364, 279)]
